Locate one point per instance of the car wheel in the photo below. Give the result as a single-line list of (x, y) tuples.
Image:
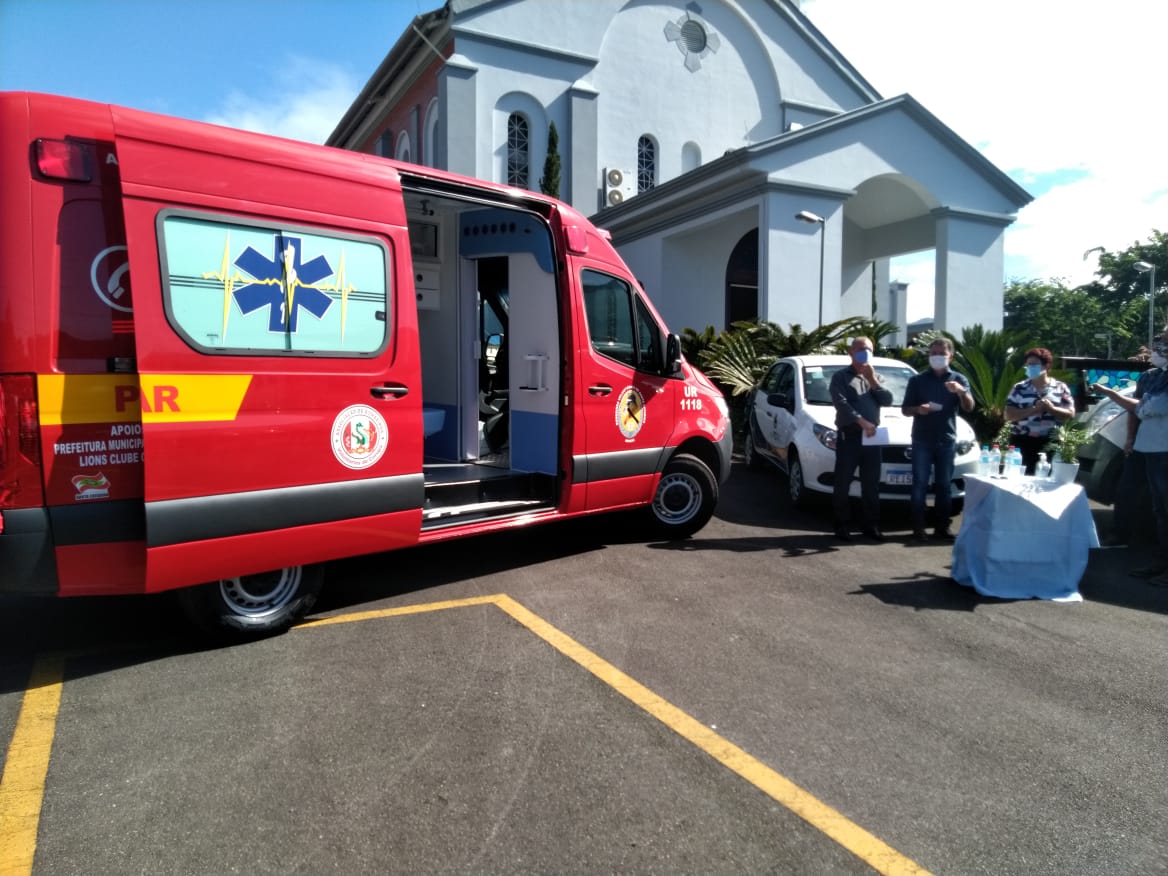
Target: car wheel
[(685, 498), (253, 605), (749, 454), (796, 487)]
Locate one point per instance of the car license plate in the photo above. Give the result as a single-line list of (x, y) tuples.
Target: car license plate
[(898, 478)]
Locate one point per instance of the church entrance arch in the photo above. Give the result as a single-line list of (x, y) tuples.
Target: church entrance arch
[(742, 280)]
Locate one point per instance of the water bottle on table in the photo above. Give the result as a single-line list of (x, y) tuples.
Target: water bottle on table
[(983, 462), (1014, 463), (995, 461)]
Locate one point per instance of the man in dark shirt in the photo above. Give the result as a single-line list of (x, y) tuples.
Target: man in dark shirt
[(931, 399), (858, 396)]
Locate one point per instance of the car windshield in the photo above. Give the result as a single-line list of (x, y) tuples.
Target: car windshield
[(817, 382)]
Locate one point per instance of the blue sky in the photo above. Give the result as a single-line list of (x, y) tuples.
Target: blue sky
[(1066, 100)]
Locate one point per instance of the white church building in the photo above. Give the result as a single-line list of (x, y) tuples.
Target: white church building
[(743, 167)]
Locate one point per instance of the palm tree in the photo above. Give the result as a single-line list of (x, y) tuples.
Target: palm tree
[(740, 356)]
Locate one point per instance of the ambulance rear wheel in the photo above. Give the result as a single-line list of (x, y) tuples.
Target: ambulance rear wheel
[(253, 605), (685, 498)]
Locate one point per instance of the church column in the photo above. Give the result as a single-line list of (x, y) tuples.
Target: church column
[(790, 251), (970, 269), (455, 148), (583, 176)]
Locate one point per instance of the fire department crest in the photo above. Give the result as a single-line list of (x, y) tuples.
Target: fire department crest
[(359, 436), (630, 412)]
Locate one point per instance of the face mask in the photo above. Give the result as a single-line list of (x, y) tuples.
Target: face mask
[(938, 363), (862, 356), (1033, 371), (1158, 360)]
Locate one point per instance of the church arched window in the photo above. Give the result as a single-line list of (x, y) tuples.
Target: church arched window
[(646, 164), (518, 150)]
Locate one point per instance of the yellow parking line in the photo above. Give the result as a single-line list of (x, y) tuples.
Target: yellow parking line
[(22, 786), (23, 783), (397, 612), (877, 854)]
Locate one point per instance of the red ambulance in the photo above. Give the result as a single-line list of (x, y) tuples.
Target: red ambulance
[(227, 358)]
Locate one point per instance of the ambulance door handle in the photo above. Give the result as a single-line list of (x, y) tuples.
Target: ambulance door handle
[(599, 389), (397, 390)]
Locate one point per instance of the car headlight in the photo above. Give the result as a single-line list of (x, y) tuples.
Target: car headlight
[(963, 447), (824, 435)]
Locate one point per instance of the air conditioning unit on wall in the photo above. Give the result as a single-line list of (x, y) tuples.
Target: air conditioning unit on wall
[(619, 185)]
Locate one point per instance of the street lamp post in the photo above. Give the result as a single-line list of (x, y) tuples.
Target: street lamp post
[(814, 219), (1149, 269)]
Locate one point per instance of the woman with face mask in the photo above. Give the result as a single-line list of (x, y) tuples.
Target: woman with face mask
[(1147, 440), (1036, 406)]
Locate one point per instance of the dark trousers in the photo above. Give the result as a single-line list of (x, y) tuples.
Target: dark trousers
[(1132, 480), (935, 460), (850, 453), (1156, 465), (1031, 446)]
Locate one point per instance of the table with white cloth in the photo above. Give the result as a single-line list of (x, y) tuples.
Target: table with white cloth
[(1023, 538)]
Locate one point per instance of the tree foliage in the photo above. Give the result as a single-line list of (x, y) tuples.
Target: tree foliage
[(738, 358), (1107, 317), (549, 183)]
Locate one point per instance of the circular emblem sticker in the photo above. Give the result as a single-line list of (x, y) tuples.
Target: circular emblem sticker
[(110, 275), (359, 436), (630, 412)]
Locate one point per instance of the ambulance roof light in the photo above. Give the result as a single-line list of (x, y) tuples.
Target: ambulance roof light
[(63, 159)]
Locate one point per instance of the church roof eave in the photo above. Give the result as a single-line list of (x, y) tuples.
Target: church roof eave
[(912, 107), (422, 30), (823, 47)]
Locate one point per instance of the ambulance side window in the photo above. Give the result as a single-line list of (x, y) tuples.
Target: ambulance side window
[(620, 325), (235, 287), (608, 306), (651, 344)]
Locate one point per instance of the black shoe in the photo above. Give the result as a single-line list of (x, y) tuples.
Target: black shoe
[(943, 533), (919, 535), (873, 533), (841, 532)]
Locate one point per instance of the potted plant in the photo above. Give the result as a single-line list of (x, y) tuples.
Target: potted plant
[(1063, 450)]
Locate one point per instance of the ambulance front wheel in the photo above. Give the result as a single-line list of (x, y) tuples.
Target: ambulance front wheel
[(253, 605), (685, 497)]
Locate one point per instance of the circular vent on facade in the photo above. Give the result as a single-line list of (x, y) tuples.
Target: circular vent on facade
[(615, 197), (694, 36), (615, 177)]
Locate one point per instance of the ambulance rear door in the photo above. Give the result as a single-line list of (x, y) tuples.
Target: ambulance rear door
[(278, 370)]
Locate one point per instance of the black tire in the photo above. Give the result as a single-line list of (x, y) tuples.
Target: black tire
[(749, 454), (685, 499), (253, 605), (796, 486)]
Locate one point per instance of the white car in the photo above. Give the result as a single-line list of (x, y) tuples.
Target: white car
[(790, 422)]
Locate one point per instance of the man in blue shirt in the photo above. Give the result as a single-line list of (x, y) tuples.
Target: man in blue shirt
[(931, 399)]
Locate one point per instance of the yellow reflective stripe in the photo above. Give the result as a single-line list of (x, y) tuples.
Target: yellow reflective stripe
[(73, 399)]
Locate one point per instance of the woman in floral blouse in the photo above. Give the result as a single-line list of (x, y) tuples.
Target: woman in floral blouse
[(1036, 406)]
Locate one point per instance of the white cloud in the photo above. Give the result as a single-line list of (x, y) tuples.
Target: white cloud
[(305, 103), (1063, 97)]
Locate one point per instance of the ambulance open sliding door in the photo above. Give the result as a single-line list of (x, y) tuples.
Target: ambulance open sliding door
[(532, 337)]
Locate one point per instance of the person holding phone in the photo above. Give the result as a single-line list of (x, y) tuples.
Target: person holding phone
[(858, 396), (932, 399)]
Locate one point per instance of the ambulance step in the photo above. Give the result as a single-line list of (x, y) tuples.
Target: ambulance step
[(477, 510)]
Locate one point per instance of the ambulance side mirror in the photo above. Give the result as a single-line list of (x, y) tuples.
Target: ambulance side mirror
[(673, 356)]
